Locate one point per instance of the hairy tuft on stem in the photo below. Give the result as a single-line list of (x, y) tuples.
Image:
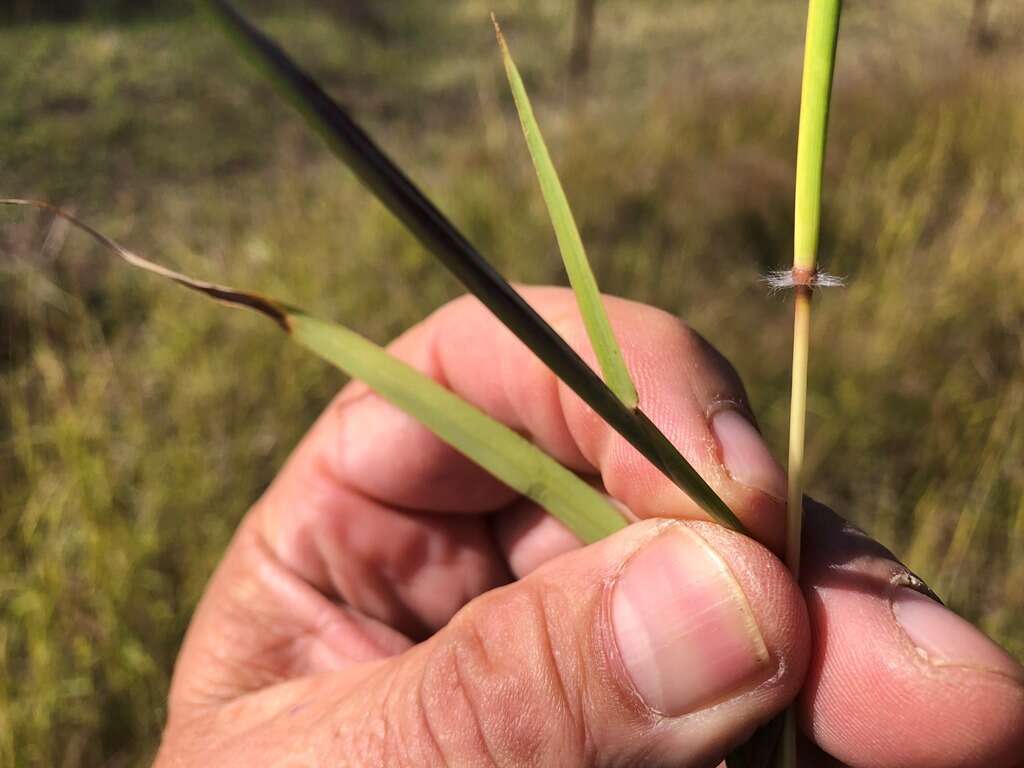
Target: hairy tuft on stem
[(779, 280)]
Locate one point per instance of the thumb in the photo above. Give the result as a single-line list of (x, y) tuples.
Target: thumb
[(667, 643)]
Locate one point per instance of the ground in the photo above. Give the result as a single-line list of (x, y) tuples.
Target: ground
[(137, 422)]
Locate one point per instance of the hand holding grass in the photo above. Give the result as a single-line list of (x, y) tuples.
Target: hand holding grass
[(369, 612), (663, 643)]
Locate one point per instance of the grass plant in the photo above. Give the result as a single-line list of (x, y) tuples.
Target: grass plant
[(498, 449), (439, 236), (127, 455)]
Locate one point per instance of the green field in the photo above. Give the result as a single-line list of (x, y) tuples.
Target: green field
[(137, 422)]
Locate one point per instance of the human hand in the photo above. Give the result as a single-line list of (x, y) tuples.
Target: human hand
[(388, 603)]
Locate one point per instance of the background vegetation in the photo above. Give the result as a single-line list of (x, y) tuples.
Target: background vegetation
[(138, 422)]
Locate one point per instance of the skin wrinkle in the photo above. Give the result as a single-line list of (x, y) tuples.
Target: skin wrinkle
[(399, 740), (332, 580), (561, 685), (686, 333), (461, 683), (603, 454), (423, 711), (691, 363), (427, 356), (238, 608), (452, 467), (324, 577), (423, 548), (522, 686), (472, 634), (328, 619)]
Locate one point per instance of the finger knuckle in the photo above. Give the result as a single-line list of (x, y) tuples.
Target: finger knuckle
[(501, 684)]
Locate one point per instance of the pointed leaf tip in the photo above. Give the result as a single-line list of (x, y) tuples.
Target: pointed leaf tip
[(224, 294), (570, 244)]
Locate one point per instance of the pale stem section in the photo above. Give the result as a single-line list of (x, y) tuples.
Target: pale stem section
[(797, 426), (787, 757)]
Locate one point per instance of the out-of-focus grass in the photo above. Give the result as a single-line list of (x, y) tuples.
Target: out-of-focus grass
[(138, 422)]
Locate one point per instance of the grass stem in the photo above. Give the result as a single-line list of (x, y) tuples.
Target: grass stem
[(797, 425), (816, 93)]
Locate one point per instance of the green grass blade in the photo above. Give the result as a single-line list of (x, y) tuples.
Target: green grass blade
[(509, 457), (349, 142), (498, 449), (815, 98), (570, 244), (682, 473)]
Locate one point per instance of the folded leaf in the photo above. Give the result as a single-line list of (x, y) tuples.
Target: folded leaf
[(570, 244), (501, 451)]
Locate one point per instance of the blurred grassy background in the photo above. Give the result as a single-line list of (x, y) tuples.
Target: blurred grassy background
[(137, 422)]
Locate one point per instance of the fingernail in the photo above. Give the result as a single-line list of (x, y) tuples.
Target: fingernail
[(947, 640), (745, 455), (683, 627)]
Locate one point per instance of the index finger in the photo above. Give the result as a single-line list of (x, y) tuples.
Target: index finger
[(895, 677)]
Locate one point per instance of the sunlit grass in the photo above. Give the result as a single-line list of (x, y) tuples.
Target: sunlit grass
[(126, 458)]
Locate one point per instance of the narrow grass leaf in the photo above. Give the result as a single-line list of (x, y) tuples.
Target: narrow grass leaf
[(349, 142), (505, 454), (501, 451), (581, 277), (682, 473)]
